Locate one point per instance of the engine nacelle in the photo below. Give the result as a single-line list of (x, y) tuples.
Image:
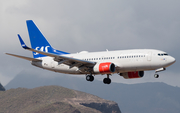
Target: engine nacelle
[(131, 75), (104, 68)]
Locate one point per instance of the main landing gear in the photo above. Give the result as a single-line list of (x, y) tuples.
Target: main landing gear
[(107, 80), (89, 78)]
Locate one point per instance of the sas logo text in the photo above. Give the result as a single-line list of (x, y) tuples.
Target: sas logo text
[(44, 49)]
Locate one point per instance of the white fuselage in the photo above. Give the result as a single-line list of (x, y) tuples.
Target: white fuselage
[(124, 60)]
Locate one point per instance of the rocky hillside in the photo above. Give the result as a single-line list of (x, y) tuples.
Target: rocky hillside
[(1, 87), (135, 98), (53, 99)]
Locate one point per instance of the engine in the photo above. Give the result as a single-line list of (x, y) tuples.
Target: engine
[(104, 68), (131, 75)]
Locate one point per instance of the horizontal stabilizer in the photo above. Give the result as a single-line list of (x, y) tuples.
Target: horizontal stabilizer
[(23, 57)]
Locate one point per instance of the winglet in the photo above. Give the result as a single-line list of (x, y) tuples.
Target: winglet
[(22, 43)]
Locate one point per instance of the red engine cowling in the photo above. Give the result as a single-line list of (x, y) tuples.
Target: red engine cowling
[(104, 68), (130, 75)]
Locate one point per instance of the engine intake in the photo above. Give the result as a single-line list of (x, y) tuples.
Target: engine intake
[(131, 75), (104, 68)]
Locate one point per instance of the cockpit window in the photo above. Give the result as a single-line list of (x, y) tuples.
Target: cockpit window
[(162, 54)]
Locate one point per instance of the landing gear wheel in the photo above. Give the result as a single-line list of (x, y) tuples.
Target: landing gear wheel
[(156, 75), (89, 78), (107, 80)]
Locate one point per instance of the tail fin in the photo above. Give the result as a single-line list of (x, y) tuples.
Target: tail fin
[(39, 42)]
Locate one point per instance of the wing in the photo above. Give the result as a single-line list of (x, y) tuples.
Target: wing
[(60, 58), (23, 57)]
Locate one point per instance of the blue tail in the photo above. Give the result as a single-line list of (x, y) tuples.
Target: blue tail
[(39, 42)]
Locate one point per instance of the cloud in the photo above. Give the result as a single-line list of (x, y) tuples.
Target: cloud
[(89, 25)]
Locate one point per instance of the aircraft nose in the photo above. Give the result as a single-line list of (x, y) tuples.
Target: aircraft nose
[(172, 60)]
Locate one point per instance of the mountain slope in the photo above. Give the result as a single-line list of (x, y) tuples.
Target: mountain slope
[(1, 87), (134, 98), (57, 99)]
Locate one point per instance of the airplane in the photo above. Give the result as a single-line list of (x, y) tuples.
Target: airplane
[(129, 64)]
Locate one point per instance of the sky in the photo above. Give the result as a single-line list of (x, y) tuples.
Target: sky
[(91, 25)]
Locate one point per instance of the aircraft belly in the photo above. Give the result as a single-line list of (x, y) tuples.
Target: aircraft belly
[(53, 66), (65, 69)]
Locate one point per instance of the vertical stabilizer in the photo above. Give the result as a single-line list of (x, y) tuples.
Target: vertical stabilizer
[(39, 42)]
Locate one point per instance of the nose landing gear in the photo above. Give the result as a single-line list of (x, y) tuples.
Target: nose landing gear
[(158, 70), (156, 75)]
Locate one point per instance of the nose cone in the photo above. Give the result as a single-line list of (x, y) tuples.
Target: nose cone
[(171, 60)]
